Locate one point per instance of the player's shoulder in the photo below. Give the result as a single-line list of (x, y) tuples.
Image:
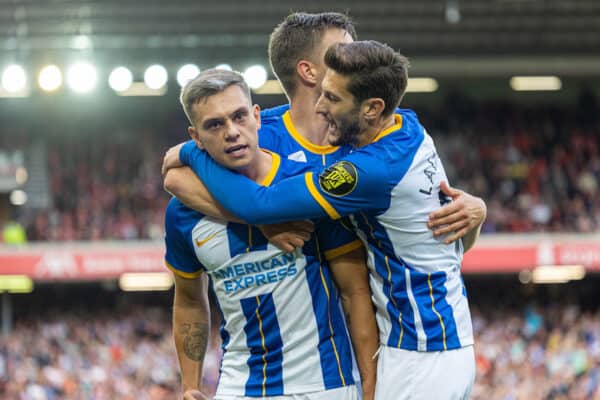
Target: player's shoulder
[(274, 113), (178, 215), (289, 168), (410, 120)]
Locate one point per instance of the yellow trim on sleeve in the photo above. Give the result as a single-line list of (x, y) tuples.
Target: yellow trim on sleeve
[(395, 127), (313, 148), (333, 214), (186, 275), (347, 248), (274, 168)]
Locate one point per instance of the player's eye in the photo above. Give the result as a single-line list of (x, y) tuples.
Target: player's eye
[(330, 97), (240, 116), (214, 124)]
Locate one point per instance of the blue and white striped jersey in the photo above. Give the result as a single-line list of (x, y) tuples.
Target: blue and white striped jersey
[(283, 331), (389, 187), (278, 133)]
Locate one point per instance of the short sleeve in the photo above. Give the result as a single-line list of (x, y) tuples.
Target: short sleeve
[(336, 238), (180, 256)]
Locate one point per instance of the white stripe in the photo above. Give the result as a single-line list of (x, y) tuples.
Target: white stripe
[(421, 336), (298, 327), (460, 307)]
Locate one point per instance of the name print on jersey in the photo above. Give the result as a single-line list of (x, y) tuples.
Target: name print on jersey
[(430, 170), (259, 273)]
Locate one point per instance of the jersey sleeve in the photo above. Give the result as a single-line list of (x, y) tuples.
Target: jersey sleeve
[(358, 182), (180, 256), (336, 238), (288, 200)]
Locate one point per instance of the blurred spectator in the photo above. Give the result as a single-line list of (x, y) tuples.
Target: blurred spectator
[(13, 233)]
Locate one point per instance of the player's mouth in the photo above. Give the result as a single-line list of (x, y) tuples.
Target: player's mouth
[(332, 126), (237, 150)]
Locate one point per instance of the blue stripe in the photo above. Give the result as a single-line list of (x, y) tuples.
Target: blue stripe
[(402, 334), (440, 295), (239, 239), (434, 330), (327, 312), (263, 338)]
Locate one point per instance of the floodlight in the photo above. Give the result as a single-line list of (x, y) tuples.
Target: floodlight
[(18, 197), (145, 281), (120, 79), (155, 76), (82, 77), (535, 83), (14, 79), (50, 78), (255, 76), (187, 73)]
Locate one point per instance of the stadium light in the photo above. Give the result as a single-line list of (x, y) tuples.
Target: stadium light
[(421, 85), (18, 197), (272, 86), (21, 175), (82, 77), (535, 83), (226, 67), (156, 76), (145, 281), (120, 79), (187, 73), (255, 76), (50, 78), (14, 79), (16, 284), (557, 273)]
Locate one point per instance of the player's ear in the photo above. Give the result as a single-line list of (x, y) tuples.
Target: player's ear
[(195, 137), (256, 113), (307, 72), (372, 108)]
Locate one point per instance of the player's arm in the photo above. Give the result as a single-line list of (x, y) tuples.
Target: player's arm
[(464, 216), (191, 315), (184, 184), (296, 198), (191, 328), (350, 274)]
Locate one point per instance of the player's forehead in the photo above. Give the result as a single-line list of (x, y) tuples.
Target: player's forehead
[(222, 104), (335, 83)]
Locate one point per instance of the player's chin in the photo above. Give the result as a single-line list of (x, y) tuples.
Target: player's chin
[(333, 137)]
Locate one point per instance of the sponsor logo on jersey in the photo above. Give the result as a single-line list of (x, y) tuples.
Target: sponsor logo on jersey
[(339, 179)]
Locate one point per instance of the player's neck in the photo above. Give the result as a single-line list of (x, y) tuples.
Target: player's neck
[(307, 122), (259, 168), (375, 128)]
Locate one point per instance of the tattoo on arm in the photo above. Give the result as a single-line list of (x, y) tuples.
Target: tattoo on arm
[(195, 340)]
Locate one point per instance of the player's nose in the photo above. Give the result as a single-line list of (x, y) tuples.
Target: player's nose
[(232, 131), (320, 106)]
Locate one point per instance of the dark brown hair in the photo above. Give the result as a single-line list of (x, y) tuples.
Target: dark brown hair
[(296, 38), (374, 69)]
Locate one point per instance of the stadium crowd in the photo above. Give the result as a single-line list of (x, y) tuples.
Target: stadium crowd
[(545, 353), (537, 167), (127, 355)]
